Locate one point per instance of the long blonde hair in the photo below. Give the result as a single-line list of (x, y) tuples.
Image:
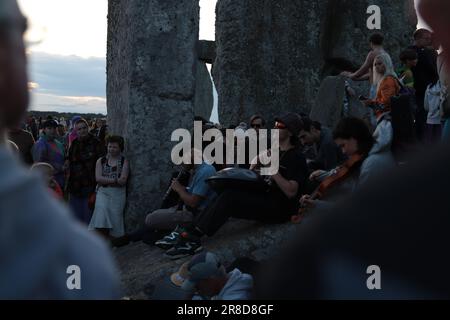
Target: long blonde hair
[(387, 61)]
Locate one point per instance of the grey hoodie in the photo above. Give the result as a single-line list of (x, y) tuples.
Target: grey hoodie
[(238, 287)]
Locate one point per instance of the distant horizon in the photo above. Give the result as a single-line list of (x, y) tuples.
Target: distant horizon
[(64, 112)]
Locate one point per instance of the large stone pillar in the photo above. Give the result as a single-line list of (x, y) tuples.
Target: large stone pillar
[(273, 54), (151, 67)]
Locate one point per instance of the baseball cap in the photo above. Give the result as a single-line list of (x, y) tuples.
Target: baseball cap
[(202, 266), (292, 121)]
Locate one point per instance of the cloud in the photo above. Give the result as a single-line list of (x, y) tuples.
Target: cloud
[(68, 75), (49, 102), (67, 83)]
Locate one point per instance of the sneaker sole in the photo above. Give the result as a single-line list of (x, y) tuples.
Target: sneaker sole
[(164, 246), (183, 255)]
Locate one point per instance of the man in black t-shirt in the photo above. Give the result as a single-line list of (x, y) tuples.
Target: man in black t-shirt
[(276, 205)]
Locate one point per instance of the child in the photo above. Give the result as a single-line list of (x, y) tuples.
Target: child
[(46, 170), (409, 59)]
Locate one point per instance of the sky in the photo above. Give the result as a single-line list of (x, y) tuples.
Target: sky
[(67, 52)]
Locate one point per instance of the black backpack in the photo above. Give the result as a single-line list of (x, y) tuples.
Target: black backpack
[(403, 107)]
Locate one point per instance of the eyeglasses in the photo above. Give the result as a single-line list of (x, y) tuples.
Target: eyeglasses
[(279, 125)]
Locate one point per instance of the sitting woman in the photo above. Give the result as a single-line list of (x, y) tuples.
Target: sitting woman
[(367, 159), (111, 173), (387, 85)]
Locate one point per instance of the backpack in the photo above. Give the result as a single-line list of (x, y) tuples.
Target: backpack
[(402, 119)]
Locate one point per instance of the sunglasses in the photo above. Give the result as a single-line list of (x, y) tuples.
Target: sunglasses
[(279, 125), (256, 125)]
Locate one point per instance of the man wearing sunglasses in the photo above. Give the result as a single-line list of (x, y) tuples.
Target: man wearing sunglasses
[(257, 122), (276, 205)]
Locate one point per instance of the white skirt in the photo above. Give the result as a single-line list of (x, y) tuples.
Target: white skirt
[(108, 212)]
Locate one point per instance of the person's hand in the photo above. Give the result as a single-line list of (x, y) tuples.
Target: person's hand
[(177, 186), (256, 163), (264, 157), (122, 181), (316, 174), (307, 202), (347, 74)]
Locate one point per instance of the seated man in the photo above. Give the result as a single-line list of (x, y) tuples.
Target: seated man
[(367, 158), (276, 205), (193, 199), (328, 153)]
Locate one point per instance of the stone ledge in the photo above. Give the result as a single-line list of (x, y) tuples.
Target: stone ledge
[(141, 264)]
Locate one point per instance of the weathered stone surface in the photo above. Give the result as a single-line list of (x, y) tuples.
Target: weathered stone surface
[(272, 55), (204, 100), (151, 68), (330, 98), (329, 106), (206, 51), (141, 264)]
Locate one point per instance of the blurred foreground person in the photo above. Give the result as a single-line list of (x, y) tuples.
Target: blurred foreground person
[(39, 241), (396, 225)]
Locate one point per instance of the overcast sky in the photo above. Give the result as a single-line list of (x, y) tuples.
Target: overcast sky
[(67, 52)]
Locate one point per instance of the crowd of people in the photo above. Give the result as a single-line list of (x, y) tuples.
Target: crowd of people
[(81, 164), (86, 167)]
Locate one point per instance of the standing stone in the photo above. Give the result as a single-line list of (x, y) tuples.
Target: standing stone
[(333, 103), (204, 100), (273, 54), (151, 69), (328, 108)]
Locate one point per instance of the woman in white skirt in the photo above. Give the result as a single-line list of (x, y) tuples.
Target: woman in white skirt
[(111, 173)]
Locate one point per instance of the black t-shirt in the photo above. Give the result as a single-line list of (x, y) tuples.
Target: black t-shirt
[(425, 72), (293, 168), (329, 154)]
